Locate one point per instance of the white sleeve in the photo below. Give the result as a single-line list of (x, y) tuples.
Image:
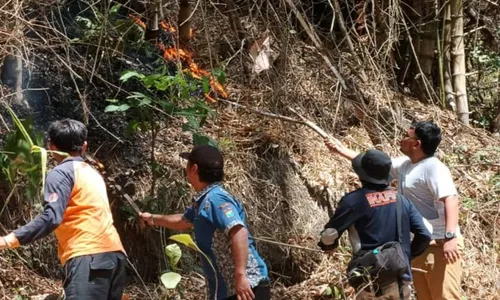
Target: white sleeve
[(396, 165), (440, 182)]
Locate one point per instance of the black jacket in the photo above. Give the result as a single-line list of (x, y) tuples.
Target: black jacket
[(373, 214)]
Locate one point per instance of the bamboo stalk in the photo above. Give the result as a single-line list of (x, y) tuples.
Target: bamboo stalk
[(448, 85), (183, 21), (18, 31), (458, 60), (440, 32), (428, 43)]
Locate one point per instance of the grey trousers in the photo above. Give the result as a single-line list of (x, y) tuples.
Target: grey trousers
[(99, 276)]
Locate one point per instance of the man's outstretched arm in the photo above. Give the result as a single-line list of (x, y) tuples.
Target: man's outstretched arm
[(335, 146), (175, 221), (58, 187)]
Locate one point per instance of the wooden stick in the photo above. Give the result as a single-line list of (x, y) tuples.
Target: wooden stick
[(285, 245), (263, 113), (310, 249), (313, 126)]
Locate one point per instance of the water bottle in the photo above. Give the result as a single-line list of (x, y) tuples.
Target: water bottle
[(328, 236)]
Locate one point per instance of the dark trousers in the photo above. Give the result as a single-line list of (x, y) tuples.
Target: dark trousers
[(99, 276), (261, 292)]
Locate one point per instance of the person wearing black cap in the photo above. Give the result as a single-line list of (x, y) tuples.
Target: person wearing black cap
[(370, 214), (220, 229)]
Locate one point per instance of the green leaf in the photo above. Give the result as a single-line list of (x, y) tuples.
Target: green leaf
[(200, 139), (168, 107), (43, 154), (19, 125), (328, 291), (163, 83), (174, 253), (202, 105), (150, 80), (185, 127), (206, 85), (137, 95), (131, 128), (170, 280), (114, 9), (193, 122), (129, 74), (162, 69), (220, 75), (336, 292), (112, 100), (117, 108), (87, 23), (186, 240), (145, 101)]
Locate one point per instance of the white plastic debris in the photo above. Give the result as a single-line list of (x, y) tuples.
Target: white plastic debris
[(260, 52)]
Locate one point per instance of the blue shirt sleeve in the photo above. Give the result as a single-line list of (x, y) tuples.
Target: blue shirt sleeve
[(58, 187), (222, 211), (345, 215), (189, 214)]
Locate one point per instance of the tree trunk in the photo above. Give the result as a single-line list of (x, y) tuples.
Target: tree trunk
[(18, 33), (448, 85), (183, 21), (234, 20), (428, 43), (496, 121), (458, 60), (152, 16), (161, 12)]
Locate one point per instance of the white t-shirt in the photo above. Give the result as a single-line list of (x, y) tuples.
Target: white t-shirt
[(424, 183)]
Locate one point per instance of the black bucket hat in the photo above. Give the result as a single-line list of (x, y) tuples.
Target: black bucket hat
[(373, 166)]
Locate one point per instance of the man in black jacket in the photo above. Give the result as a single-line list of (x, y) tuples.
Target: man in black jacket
[(370, 215)]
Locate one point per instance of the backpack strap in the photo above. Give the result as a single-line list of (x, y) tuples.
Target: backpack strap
[(399, 204), (399, 199)]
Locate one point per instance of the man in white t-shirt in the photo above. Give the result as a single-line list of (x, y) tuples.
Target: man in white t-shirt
[(427, 182)]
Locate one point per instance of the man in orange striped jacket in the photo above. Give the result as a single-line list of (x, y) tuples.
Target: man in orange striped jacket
[(76, 207)]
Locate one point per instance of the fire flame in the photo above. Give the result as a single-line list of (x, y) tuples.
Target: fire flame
[(186, 58)]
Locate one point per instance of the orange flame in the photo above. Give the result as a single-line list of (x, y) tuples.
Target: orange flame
[(173, 54), (167, 27), (137, 20), (164, 25), (186, 57)]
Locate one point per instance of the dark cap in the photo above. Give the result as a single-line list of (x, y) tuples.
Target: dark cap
[(373, 166), (206, 157)]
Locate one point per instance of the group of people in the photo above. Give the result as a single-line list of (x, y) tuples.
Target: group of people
[(390, 230), (429, 209)]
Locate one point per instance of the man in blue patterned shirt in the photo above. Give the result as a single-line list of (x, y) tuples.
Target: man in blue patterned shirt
[(220, 229)]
